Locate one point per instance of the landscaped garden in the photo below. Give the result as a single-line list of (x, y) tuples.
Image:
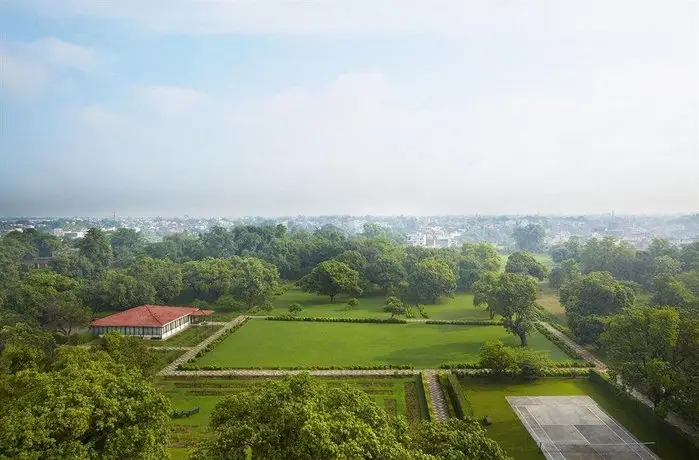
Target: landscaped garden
[(264, 344), (487, 398), (460, 307), (398, 395)]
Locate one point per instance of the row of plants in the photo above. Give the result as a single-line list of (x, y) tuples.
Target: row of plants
[(323, 319), (461, 404), (466, 322), (559, 342), (552, 364), (528, 373), (428, 400), (190, 366)]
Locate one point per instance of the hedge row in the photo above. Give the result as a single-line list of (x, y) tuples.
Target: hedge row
[(428, 399), (556, 364), (380, 367), (184, 413), (322, 319), (562, 344), (547, 372), (466, 322), (462, 406)]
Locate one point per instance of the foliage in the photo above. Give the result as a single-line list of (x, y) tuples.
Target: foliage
[(86, 406), (656, 351), (298, 418), (431, 279), (163, 274), (130, 351), (354, 259), (689, 256), (569, 249), (462, 405), (254, 281), (208, 278), (670, 290), (385, 271), (530, 238), (95, 247), (560, 343), (394, 306), (525, 264), (475, 260), (331, 278), (324, 319), (353, 302), (116, 290), (25, 347), (494, 355), (608, 255), (295, 309), (426, 393)]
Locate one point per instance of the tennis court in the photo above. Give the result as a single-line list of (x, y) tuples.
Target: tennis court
[(575, 428)]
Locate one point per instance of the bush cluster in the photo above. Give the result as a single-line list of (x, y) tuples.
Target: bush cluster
[(560, 343), (467, 322), (517, 373), (184, 413), (323, 319), (462, 405), (553, 364)]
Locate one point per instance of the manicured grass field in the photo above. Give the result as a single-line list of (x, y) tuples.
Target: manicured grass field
[(459, 307), (262, 343), (548, 298), (399, 396), (187, 338), (487, 397)]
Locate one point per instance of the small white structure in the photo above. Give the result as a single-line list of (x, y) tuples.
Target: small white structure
[(149, 321)]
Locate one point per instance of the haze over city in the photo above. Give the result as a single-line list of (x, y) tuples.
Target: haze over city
[(282, 108)]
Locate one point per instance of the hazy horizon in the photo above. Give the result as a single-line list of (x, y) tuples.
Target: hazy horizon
[(240, 108)]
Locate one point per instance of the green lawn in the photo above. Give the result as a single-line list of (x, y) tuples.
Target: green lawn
[(187, 338), (548, 298), (488, 398), (262, 343), (399, 396), (459, 307)]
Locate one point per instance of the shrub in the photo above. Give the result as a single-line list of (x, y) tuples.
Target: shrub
[(426, 392), (322, 319), (497, 357), (531, 364), (184, 413), (462, 406), (558, 341), (190, 366), (353, 302), (295, 309), (472, 322), (422, 311)]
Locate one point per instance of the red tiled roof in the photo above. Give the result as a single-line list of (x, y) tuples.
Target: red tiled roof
[(148, 315)]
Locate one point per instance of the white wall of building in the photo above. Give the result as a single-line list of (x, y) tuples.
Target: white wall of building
[(168, 330)]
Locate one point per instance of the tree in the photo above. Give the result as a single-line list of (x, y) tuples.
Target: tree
[(331, 278), (116, 291), (96, 248), (483, 289), (497, 357), (560, 275), (557, 277), (300, 418), (73, 265), (125, 243), (295, 309), (569, 249), (595, 295), (456, 439), (432, 279), (163, 274), (394, 306), (25, 347), (86, 406), (386, 271), (132, 352), (353, 302), (354, 259), (656, 351), (666, 265), (475, 260), (689, 256), (661, 247), (530, 238), (207, 279), (525, 264), (253, 281), (608, 255), (671, 291)]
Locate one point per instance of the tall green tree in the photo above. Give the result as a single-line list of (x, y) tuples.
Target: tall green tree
[(386, 271), (254, 282), (433, 278), (126, 243), (86, 406), (568, 249), (483, 290), (96, 248), (530, 238), (207, 279), (163, 274), (116, 290), (661, 247), (354, 259), (671, 291), (608, 255), (73, 265), (514, 298), (475, 260), (23, 347), (525, 264), (689, 256), (331, 278), (455, 439)]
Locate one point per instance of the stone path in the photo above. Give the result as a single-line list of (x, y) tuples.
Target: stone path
[(439, 403), (599, 365), (171, 348), (192, 352)]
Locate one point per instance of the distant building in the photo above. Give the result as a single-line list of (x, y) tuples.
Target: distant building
[(149, 321), (37, 262)]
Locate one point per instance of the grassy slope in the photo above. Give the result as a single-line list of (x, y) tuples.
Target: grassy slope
[(488, 398), (262, 343), (459, 307), (186, 393)]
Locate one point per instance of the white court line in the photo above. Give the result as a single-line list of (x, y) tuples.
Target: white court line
[(618, 426), (531, 430)]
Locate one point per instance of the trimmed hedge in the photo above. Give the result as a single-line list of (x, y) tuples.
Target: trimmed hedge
[(556, 365), (462, 406), (189, 366), (184, 413), (466, 322), (570, 351), (322, 319), (428, 399), (547, 372)]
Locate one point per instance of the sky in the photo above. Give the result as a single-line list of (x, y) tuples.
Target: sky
[(270, 107)]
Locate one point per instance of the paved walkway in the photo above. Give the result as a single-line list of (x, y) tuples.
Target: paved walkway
[(439, 403), (192, 352), (283, 372), (171, 348)]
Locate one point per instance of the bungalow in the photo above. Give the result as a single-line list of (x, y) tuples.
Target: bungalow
[(149, 321)]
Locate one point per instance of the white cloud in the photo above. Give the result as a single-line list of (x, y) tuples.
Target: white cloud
[(170, 100), (100, 118), (26, 68)]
